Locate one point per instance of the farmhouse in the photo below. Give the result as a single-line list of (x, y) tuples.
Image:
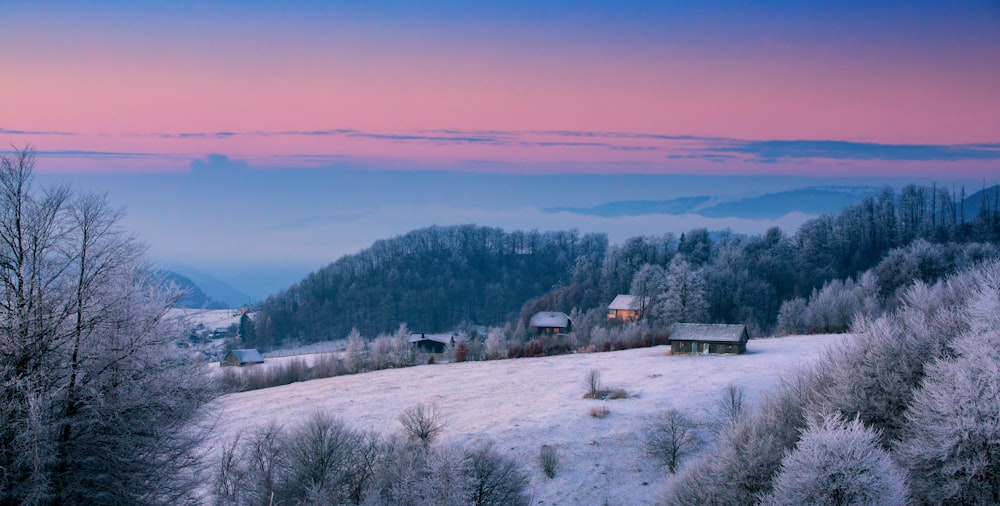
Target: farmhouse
[(627, 308), (432, 343), (708, 338), (550, 322), (242, 358)]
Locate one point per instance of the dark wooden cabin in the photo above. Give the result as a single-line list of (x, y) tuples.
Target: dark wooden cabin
[(708, 338)]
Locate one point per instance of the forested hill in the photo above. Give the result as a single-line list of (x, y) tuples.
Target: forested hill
[(432, 279), (437, 278)]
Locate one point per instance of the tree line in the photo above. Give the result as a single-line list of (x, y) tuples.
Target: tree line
[(437, 278)]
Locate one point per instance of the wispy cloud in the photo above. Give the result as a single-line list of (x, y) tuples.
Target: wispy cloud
[(772, 151), (76, 153), (9, 131)]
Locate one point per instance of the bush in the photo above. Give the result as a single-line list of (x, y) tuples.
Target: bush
[(461, 352), (672, 438), (838, 462), (599, 411), (423, 422), (593, 383), (548, 457)]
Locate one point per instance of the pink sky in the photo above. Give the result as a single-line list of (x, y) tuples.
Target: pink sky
[(123, 78)]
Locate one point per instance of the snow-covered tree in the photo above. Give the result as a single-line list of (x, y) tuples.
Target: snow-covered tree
[(97, 406), (650, 282), (838, 462), (355, 355), (792, 317), (496, 343), (684, 299), (951, 441)]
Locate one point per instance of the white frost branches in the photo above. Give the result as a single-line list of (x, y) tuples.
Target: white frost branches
[(838, 462)]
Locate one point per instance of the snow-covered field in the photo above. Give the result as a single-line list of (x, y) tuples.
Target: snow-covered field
[(522, 404), (211, 319)]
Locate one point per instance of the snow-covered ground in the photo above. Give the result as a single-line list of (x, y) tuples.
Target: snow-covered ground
[(211, 319), (522, 404)]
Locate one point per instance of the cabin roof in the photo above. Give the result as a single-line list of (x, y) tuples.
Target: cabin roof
[(708, 332), (549, 319), (443, 338), (632, 302), (247, 356)]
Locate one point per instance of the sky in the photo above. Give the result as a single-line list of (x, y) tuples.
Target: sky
[(405, 98)]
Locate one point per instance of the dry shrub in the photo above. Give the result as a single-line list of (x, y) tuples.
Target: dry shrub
[(599, 411), (618, 393), (548, 456)]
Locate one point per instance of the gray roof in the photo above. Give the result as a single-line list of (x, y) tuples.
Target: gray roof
[(549, 319), (445, 338), (248, 356), (626, 302), (708, 332)]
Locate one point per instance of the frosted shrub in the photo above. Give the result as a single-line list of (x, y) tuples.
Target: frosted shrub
[(951, 445), (837, 462), (496, 344), (792, 317)]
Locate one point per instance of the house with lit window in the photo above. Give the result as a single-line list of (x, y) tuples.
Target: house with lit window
[(550, 322), (627, 308)]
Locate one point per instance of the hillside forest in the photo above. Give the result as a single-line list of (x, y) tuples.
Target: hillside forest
[(815, 280)]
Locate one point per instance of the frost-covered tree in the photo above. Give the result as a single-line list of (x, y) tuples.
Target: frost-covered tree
[(951, 445), (838, 463), (401, 351), (951, 440), (496, 343), (650, 282), (684, 299), (97, 406), (792, 317), (356, 353)]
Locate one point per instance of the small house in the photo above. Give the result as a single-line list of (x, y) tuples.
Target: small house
[(432, 343), (627, 308), (550, 322), (241, 358), (708, 338)]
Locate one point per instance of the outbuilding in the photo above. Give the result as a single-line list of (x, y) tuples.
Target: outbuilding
[(241, 358), (708, 338), (432, 343)]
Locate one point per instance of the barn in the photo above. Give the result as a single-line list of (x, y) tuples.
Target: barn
[(242, 358), (708, 338), (432, 343)]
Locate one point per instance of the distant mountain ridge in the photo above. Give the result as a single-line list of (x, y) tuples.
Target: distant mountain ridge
[(213, 287), (194, 297), (810, 200)]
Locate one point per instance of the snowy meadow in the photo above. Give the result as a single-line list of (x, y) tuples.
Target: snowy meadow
[(522, 404)]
